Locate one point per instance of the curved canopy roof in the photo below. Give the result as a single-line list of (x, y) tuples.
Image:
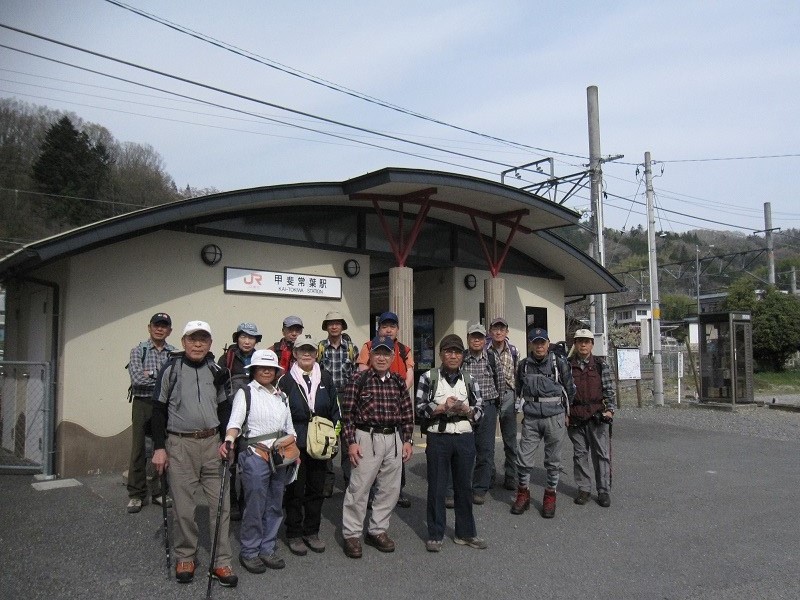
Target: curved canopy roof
[(452, 198)]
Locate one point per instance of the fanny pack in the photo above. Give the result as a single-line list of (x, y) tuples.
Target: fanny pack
[(284, 451)]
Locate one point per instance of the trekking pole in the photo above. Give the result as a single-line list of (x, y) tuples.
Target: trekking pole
[(223, 469), (166, 522), (610, 456)]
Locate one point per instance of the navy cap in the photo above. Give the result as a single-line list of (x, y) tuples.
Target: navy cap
[(382, 341), (388, 316), (538, 334)]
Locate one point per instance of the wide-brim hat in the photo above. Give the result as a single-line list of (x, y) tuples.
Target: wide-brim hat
[(247, 328), (265, 358), (334, 315)]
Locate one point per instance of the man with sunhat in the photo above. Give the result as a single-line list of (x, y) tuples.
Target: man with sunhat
[(546, 390), (145, 361), (186, 440), (378, 418), (449, 404), (590, 417), (337, 355)]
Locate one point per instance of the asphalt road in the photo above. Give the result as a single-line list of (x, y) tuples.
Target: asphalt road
[(694, 515)]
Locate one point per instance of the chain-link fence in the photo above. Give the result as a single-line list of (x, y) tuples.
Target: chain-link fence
[(26, 409)]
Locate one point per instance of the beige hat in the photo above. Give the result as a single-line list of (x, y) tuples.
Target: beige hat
[(584, 334), (333, 315)]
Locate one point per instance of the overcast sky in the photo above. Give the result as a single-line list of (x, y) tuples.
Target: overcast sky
[(684, 80)]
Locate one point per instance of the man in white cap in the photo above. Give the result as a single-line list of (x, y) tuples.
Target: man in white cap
[(590, 417), (186, 441)]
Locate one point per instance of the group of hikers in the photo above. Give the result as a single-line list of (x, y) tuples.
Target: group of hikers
[(258, 414)]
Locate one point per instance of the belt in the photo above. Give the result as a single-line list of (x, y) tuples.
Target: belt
[(376, 429), (545, 400), (196, 435)]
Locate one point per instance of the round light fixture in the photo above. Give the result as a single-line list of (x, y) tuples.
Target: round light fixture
[(211, 254), (470, 282), (351, 267)]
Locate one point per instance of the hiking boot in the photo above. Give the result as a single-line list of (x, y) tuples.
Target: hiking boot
[(510, 483), (352, 547), (583, 497), (449, 503), (603, 499), (158, 499), (478, 498), (522, 501), (296, 546), (403, 501), (381, 541), (273, 561), (225, 576), (472, 542), (136, 504), (549, 503), (314, 543), (254, 565), (184, 571), (433, 545)]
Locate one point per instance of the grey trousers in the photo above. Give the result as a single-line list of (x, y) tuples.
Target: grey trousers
[(591, 439), (381, 463), (551, 431), (507, 416)]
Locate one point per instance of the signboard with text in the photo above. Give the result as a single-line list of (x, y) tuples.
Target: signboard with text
[(279, 283)]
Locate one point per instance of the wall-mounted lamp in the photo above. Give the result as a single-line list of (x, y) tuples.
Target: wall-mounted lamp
[(211, 254), (470, 281), (351, 267)]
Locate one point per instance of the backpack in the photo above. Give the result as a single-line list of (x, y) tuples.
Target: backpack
[(555, 377), (143, 351), (172, 380), (352, 354)]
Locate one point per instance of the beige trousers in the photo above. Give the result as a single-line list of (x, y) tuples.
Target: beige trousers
[(194, 466), (382, 462)]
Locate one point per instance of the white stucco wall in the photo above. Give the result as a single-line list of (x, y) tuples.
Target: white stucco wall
[(110, 294)]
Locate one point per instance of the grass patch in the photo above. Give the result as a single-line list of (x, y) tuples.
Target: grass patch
[(785, 381)]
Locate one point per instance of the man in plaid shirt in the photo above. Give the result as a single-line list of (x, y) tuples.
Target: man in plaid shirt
[(378, 420)]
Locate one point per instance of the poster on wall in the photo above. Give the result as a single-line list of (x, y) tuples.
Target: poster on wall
[(281, 283)]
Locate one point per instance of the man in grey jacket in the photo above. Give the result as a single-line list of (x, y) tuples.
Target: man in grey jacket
[(186, 441), (546, 389)]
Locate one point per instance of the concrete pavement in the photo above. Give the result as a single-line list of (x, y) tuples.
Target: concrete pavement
[(693, 515)]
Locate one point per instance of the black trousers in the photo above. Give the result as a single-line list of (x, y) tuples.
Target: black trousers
[(303, 498)]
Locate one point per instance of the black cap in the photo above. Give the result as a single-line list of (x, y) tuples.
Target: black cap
[(161, 318)]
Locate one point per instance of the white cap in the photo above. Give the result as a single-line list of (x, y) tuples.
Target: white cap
[(584, 334), (265, 358), (195, 326)]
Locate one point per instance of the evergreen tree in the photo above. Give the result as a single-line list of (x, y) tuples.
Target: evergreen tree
[(70, 165)]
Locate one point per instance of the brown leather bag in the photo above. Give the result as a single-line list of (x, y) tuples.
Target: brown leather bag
[(285, 451)]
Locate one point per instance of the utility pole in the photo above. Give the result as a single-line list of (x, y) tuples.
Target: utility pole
[(597, 248), (770, 246), (655, 305)]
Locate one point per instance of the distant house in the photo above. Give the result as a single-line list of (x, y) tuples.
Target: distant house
[(629, 314)]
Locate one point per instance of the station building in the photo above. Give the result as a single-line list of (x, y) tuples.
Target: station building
[(439, 249)]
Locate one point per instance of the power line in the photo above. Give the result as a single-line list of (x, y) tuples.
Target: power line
[(323, 82), (249, 98)]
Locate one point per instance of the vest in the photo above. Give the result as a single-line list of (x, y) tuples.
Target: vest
[(443, 391), (589, 388)]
